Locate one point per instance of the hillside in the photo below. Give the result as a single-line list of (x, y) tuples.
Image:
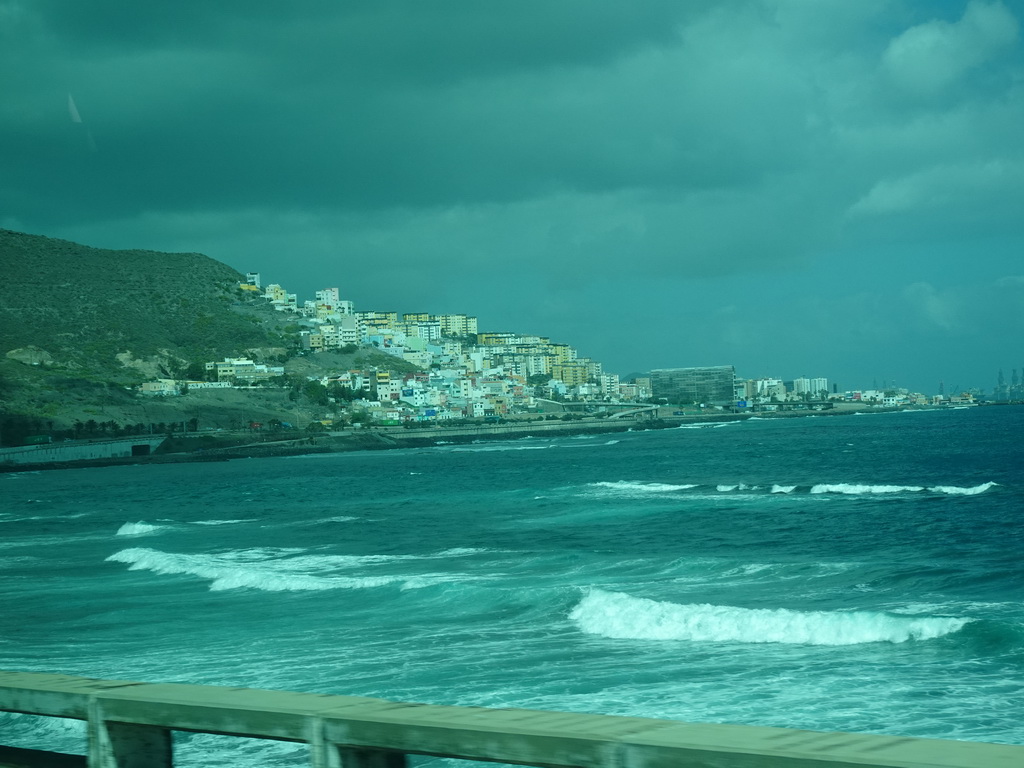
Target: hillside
[(78, 307), (81, 326)]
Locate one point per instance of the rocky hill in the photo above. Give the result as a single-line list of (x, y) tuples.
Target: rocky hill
[(72, 306), (80, 327)]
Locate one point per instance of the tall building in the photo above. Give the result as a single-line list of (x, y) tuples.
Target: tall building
[(457, 325), (817, 387), (328, 296), (712, 386)]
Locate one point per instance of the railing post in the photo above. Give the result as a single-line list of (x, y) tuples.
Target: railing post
[(352, 757), (125, 745), (322, 753)]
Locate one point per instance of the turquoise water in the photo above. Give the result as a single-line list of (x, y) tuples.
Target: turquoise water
[(858, 573)]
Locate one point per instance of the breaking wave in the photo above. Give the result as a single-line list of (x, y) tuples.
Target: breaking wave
[(138, 529), (620, 616), (223, 522), (853, 489), (629, 488), (634, 489), (275, 570), (958, 491), (501, 448), (708, 424)]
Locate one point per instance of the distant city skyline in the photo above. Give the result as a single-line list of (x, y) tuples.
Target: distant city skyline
[(796, 189), (817, 383)]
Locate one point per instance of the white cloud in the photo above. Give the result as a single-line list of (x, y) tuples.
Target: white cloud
[(941, 186), (938, 309), (929, 57)]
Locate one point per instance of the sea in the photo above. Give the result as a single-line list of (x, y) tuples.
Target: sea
[(856, 573)]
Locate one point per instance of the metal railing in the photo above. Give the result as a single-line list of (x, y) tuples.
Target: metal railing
[(129, 725)]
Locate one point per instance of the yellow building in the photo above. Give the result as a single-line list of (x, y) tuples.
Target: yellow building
[(373, 319), (494, 339), (457, 325), (563, 353), (571, 373), (275, 292)]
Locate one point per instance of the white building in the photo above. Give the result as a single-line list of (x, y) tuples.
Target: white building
[(770, 388), (342, 332), (328, 296)]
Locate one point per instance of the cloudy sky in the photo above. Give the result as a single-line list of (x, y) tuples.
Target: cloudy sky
[(795, 187)]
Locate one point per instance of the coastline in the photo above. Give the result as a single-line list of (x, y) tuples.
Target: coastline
[(203, 447)]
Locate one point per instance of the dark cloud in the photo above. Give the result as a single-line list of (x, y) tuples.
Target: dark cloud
[(615, 170)]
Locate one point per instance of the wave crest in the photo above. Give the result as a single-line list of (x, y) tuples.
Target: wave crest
[(269, 571), (958, 491), (138, 529), (629, 488), (616, 615), (855, 489)]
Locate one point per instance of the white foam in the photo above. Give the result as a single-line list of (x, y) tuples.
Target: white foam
[(958, 491), (783, 488), (748, 570), (223, 522), (854, 489), (627, 487), (282, 569), (462, 551), (273, 570), (708, 424), (588, 444), (616, 615), (49, 518), (737, 487), (503, 448), (139, 529)]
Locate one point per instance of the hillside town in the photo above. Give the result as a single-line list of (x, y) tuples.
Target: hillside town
[(455, 371)]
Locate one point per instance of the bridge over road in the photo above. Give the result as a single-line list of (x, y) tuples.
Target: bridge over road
[(130, 725)]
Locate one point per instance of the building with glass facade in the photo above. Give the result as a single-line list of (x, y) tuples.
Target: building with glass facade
[(711, 386)]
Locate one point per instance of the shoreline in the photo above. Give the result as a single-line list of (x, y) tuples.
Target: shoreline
[(398, 438)]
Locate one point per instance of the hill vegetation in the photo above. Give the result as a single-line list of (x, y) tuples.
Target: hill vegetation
[(81, 327), (81, 307)]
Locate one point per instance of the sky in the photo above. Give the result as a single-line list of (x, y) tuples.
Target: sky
[(831, 188)]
